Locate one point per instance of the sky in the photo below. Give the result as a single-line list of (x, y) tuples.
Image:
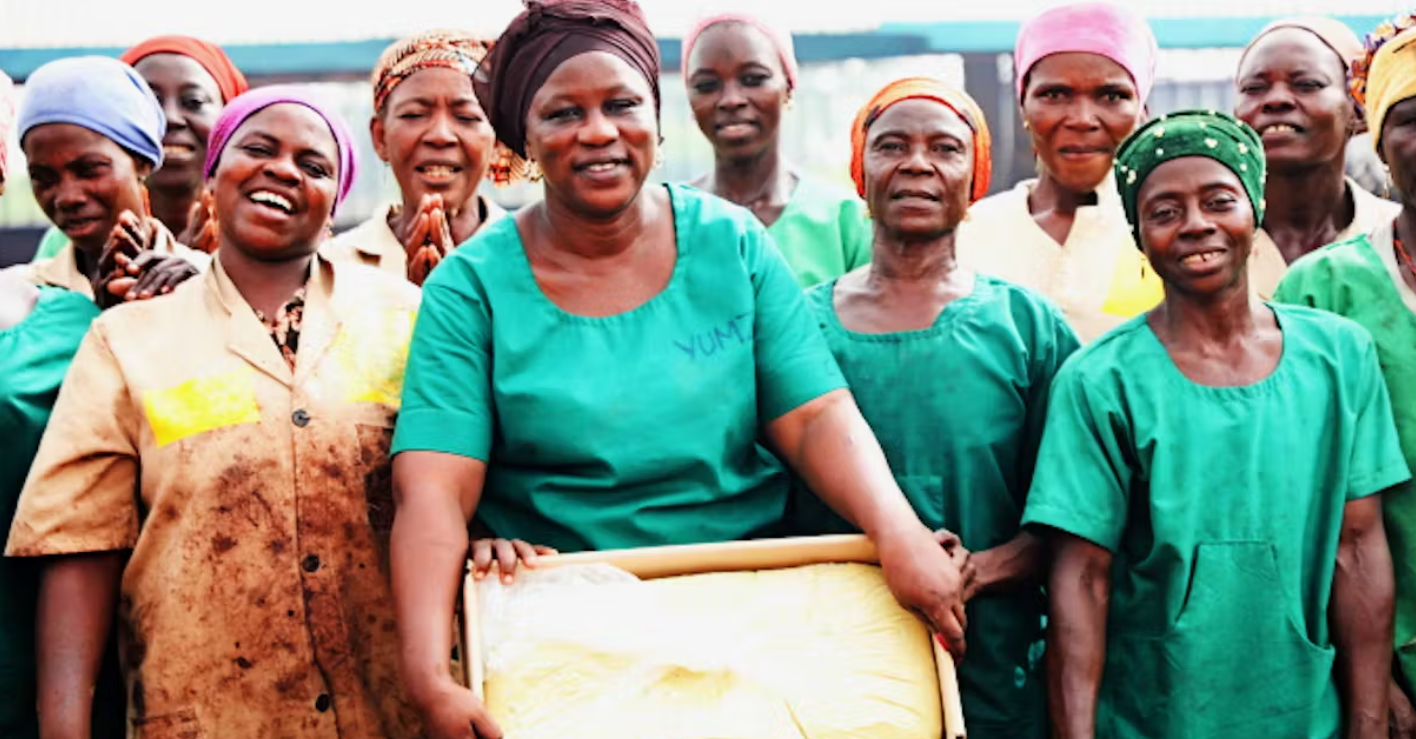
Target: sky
[(35, 23)]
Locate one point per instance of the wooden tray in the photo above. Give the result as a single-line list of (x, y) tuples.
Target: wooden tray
[(695, 559)]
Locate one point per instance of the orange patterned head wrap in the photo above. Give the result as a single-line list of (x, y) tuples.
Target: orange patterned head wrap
[(442, 48), (926, 88)]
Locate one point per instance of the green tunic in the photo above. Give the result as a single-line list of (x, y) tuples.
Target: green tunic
[(52, 242), (1222, 507), (34, 356), (823, 232), (1359, 279), (959, 410), (637, 429)]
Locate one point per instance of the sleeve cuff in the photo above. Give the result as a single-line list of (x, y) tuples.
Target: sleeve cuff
[(1096, 531), (782, 403), (1375, 482), (432, 430)]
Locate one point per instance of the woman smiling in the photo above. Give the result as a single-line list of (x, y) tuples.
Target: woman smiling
[(1292, 83), (605, 369), (1371, 279), (1211, 478), (952, 371), (92, 131), (740, 74), (217, 468)]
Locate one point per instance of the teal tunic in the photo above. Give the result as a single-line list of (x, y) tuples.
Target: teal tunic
[(823, 232), (34, 356), (52, 242), (959, 410), (1222, 507), (637, 429), (1359, 279)]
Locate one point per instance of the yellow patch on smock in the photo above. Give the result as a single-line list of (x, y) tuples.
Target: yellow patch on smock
[(371, 357), (201, 405)]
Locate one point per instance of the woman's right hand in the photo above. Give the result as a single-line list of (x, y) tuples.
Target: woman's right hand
[(451, 711), (506, 554)]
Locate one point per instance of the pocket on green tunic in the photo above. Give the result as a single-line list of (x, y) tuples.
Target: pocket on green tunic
[(1236, 663)]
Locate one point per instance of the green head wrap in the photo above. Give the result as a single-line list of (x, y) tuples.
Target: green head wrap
[(1190, 133)]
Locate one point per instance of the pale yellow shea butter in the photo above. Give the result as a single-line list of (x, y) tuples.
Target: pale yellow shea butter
[(815, 652)]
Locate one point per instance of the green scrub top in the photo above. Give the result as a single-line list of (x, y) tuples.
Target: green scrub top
[(959, 409), (52, 242), (1354, 280), (632, 430), (1222, 508), (823, 232), (34, 356)]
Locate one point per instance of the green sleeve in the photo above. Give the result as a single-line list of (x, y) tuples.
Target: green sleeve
[(1377, 462), (857, 234), (447, 397), (52, 242), (1055, 342), (794, 364), (1298, 287), (1083, 475)]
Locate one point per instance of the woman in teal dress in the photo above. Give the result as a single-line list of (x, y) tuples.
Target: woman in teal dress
[(608, 368), (1210, 478), (951, 369), (740, 73), (1371, 279)]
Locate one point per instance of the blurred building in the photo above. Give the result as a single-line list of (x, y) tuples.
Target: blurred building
[(847, 52)]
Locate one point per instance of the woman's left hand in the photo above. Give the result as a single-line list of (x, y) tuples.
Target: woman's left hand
[(928, 579), (131, 269), (149, 275)]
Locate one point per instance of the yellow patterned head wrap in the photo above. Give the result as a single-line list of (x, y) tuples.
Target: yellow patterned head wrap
[(1386, 74)]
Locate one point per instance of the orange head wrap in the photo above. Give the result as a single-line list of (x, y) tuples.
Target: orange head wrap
[(215, 61), (928, 89)]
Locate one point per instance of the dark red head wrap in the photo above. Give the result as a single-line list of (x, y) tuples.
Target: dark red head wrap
[(547, 33)]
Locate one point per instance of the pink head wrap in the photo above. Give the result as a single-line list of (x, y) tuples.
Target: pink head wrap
[(7, 118), (247, 104), (1107, 30), (779, 38)]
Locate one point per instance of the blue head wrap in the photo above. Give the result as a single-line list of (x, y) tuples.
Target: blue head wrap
[(101, 94)]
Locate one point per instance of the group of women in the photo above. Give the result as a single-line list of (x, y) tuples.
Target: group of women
[(270, 480)]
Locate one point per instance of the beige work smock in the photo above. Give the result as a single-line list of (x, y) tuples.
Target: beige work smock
[(1266, 263), (256, 502)]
